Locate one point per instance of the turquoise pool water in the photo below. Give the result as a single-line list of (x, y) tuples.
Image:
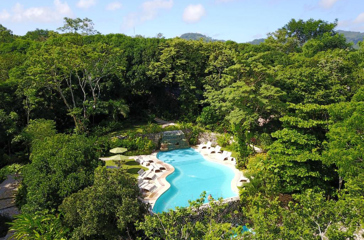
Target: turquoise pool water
[(193, 174)]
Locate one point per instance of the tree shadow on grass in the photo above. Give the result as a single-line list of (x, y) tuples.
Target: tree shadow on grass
[(133, 170), (132, 163)]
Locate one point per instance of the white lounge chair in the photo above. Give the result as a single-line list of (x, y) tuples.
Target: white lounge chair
[(142, 161), (160, 166), (149, 176), (139, 160), (148, 160), (145, 173), (149, 187), (157, 167), (243, 179), (205, 146), (216, 149), (141, 171), (142, 183), (225, 156)]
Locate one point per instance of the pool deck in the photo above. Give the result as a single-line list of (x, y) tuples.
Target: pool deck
[(163, 185)]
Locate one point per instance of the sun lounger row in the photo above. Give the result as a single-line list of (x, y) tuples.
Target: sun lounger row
[(216, 149), (157, 167), (145, 162), (146, 175), (224, 156), (143, 180), (205, 146), (146, 186), (221, 155)]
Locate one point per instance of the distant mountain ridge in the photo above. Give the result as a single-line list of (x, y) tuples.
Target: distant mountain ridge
[(198, 36), (353, 37)]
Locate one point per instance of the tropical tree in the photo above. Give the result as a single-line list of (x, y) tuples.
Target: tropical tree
[(310, 29), (107, 209), (306, 216), (39, 225), (6, 35), (245, 93), (181, 65), (345, 144), (85, 26), (60, 166), (198, 221), (75, 71)]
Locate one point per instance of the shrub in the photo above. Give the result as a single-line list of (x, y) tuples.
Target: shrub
[(136, 145), (191, 132), (208, 117), (265, 140), (171, 128), (10, 169), (106, 127), (223, 140), (39, 225), (151, 128)]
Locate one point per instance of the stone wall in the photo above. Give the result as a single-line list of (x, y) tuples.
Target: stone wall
[(154, 137), (204, 137)]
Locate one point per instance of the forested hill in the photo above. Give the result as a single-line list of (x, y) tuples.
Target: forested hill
[(257, 41), (198, 36), (351, 37)]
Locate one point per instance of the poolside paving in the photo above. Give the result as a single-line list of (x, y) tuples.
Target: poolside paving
[(163, 185)]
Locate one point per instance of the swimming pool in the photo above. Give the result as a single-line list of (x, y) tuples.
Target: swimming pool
[(193, 174)]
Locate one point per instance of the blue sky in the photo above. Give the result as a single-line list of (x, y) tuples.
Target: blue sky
[(237, 20)]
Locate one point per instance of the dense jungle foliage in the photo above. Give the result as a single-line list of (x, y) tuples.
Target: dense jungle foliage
[(299, 96)]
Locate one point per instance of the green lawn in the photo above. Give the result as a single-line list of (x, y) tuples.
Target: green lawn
[(130, 165), (234, 154), (143, 128)]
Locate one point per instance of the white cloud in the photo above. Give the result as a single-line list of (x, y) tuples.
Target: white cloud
[(4, 15), (344, 24), (113, 6), (149, 11), (86, 3), (193, 13), (37, 14), (130, 21), (327, 3), (150, 8), (356, 24), (360, 18)]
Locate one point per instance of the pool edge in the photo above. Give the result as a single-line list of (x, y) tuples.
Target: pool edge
[(162, 180), (208, 157), (238, 174)]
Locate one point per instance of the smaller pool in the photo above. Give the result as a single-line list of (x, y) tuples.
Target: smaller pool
[(193, 174)]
